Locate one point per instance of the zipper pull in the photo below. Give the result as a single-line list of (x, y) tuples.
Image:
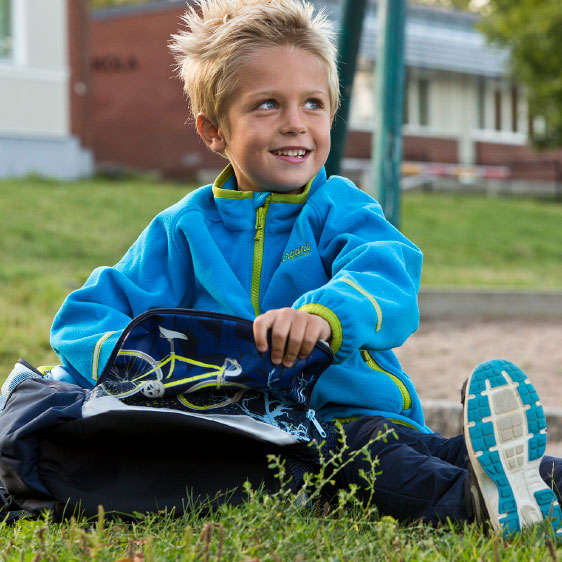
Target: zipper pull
[(259, 222), (311, 415)]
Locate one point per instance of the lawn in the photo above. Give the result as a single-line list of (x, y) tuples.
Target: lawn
[(471, 240), (53, 234)]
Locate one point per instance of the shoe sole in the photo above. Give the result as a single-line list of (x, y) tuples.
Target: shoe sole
[(505, 433)]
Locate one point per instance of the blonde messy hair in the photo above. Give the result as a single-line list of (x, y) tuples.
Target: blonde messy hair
[(222, 34)]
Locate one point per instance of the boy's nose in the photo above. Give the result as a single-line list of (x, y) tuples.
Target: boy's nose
[(293, 123)]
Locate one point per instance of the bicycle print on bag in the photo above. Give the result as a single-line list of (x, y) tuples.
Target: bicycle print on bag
[(172, 359)]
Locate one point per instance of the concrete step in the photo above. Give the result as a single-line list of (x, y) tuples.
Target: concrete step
[(445, 417)]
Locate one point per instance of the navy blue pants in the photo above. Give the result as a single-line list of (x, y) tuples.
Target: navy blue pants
[(423, 476)]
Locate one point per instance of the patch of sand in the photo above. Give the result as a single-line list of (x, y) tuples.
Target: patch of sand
[(441, 354)]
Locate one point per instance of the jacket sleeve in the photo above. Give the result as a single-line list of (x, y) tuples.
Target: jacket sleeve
[(371, 300), (155, 272)]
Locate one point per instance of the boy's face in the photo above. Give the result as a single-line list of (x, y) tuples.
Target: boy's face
[(278, 134)]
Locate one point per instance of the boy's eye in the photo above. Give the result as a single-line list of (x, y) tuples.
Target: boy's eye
[(267, 104), (313, 103)]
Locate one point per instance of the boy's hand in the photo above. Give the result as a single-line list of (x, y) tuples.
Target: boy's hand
[(293, 333)]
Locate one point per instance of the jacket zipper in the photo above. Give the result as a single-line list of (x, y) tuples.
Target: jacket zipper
[(259, 239), (406, 399)]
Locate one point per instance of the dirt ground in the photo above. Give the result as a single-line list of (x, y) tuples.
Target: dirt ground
[(441, 354)]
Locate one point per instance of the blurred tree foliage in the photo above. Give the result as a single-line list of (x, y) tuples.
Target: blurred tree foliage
[(531, 29)]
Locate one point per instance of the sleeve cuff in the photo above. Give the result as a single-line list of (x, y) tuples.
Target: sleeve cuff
[(99, 360), (332, 319)]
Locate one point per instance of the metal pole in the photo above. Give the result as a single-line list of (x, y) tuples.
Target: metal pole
[(351, 24), (389, 92)]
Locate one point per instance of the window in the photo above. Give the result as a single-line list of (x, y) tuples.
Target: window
[(514, 109), (531, 124), (423, 101), (5, 29), (482, 103), (498, 109)]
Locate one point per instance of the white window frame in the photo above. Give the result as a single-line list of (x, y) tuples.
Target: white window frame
[(9, 55), (18, 55)]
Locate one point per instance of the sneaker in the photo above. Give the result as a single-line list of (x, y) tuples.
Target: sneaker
[(505, 433)]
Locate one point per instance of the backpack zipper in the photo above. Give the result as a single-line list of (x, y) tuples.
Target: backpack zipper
[(311, 415)]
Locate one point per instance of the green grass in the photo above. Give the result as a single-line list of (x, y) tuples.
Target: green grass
[(53, 234), (265, 531), (479, 241)]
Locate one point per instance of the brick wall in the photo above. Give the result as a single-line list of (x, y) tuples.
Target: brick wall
[(524, 162), (140, 110), (417, 149), (430, 149)]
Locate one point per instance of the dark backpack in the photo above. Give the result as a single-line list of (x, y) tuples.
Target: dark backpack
[(186, 410)]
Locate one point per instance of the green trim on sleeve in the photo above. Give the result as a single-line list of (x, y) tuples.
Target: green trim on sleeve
[(330, 317), (372, 299), (97, 353)]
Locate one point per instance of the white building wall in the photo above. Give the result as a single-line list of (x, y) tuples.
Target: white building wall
[(452, 101), (35, 128), (34, 97)]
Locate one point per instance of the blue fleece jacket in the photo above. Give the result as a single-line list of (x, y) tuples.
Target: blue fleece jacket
[(328, 250)]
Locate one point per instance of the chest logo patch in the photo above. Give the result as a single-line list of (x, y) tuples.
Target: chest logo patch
[(299, 252)]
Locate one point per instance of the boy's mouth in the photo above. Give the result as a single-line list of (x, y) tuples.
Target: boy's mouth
[(299, 153)]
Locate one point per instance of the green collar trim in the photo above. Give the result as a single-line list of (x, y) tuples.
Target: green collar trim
[(221, 193)]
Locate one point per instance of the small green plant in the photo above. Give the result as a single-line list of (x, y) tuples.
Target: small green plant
[(318, 485)]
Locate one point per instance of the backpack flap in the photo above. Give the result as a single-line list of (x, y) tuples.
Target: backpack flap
[(207, 364), (166, 352)]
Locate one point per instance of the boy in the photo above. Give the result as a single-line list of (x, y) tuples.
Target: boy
[(309, 258)]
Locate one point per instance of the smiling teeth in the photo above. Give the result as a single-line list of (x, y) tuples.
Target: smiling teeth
[(297, 153)]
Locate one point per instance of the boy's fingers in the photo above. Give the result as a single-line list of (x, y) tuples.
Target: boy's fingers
[(279, 332), (261, 326), (294, 342), (310, 338), (317, 329), (293, 334)]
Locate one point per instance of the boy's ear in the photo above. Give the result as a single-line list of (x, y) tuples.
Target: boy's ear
[(210, 133)]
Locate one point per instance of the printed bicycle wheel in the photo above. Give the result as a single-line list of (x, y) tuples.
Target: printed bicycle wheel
[(134, 372), (206, 396)]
